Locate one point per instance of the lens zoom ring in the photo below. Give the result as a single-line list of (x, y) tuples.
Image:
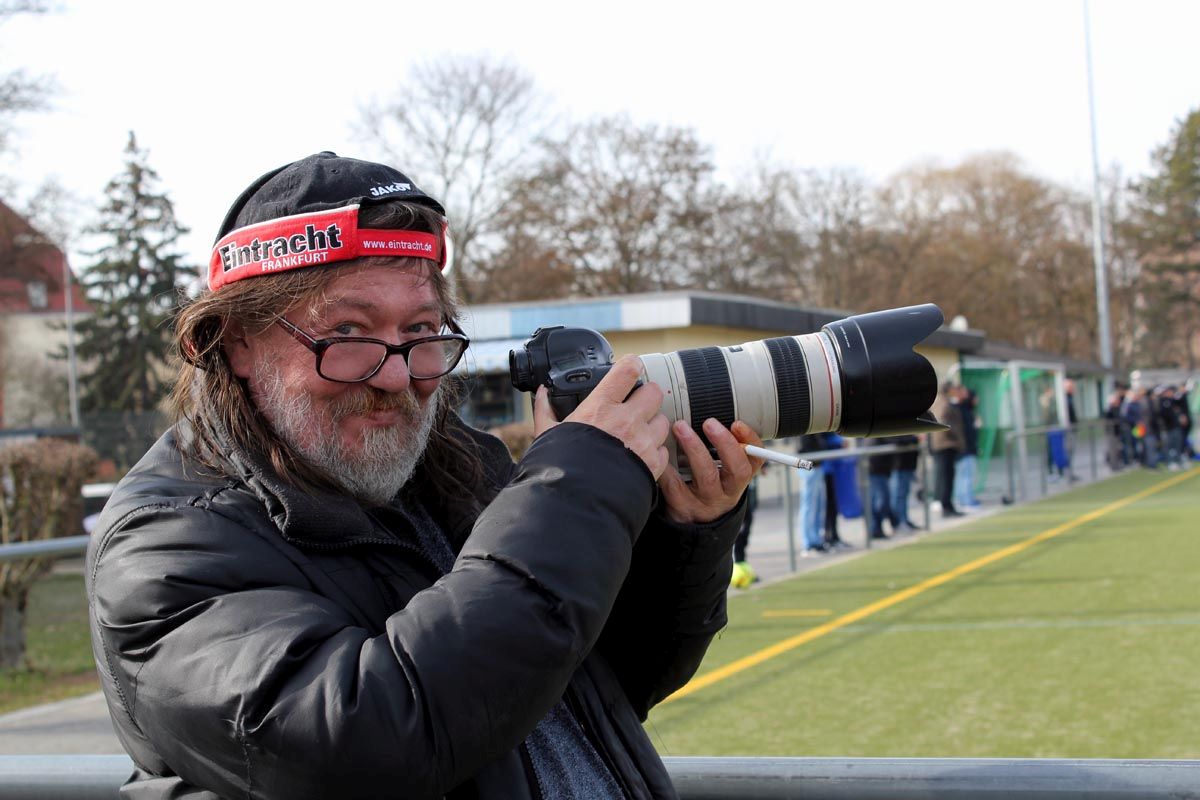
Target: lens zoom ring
[(710, 393), (791, 381)]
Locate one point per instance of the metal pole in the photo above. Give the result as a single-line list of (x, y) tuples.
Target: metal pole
[(69, 308), (923, 457), (697, 778), (1045, 455), (61, 547), (864, 492), (1092, 449), (1008, 459), (1018, 411), (1106, 357), (83, 777)]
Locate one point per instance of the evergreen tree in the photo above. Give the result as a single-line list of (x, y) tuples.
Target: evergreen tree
[(1168, 221), (134, 286)]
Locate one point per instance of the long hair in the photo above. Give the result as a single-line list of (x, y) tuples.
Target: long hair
[(212, 399)]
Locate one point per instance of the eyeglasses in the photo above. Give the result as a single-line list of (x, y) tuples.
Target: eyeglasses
[(353, 359)]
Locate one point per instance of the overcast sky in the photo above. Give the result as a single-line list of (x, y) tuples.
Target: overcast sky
[(220, 92)]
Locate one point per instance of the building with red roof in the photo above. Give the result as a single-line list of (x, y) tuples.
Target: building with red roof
[(34, 312)]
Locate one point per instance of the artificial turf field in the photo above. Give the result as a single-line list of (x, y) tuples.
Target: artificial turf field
[(1065, 628)]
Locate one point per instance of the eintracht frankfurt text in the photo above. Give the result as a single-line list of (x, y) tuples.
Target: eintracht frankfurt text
[(284, 251)]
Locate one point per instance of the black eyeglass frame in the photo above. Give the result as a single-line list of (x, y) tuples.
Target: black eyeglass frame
[(319, 346)]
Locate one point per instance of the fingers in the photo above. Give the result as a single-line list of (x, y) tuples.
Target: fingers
[(736, 466), (637, 421), (543, 414), (674, 488), (746, 435), (705, 475), (646, 400), (620, 380)]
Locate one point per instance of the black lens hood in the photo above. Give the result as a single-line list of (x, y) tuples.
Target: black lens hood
[(887, 388)]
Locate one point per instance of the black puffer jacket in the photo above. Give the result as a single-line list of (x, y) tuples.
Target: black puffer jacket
[(256, 641)]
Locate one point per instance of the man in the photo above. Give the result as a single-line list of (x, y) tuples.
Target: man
[(1185, 412), (321, 583), (880, 467), (1134, 413), (900, 483), (1170, 422), (965, 464), (811, 515), (946, 445)]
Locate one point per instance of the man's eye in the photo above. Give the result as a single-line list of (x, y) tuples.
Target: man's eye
[(423, 328), (345, 329)]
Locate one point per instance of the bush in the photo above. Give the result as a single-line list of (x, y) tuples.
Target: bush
[(40, 498)]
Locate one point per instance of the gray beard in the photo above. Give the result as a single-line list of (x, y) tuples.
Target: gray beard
[(386, 457)]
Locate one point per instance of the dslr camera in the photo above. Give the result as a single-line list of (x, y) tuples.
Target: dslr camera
[(858, 376)]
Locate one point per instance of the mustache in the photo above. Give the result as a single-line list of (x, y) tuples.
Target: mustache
[(370, 399)]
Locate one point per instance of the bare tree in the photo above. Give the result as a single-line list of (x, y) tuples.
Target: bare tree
[(988, 240), (754, 245), (833, 210), (20, 91), (460, 127), (626, 208)]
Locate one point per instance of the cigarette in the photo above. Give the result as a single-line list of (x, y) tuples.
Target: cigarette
[(777, 457)]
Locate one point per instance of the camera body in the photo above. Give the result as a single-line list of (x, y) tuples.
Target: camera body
[(569, 362)]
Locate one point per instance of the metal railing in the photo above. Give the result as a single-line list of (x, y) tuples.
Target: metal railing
[(62, 547), (94, 494), (92, 777), (1017, 449)]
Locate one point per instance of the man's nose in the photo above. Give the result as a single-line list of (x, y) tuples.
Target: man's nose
[(393, 376)]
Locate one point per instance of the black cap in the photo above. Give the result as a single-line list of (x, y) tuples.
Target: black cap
[(318, 183)]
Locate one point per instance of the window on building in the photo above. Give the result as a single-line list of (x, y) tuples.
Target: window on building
[(38, 297)]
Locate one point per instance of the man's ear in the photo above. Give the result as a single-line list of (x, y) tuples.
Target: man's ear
[(237, 349)]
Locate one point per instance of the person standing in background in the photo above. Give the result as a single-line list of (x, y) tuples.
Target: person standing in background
[(811, 517), (833, 509), (900, 484), (947, 445), (1189, 450), (1133, 412), (965, 465), (1170, 422), (1152, 440), (1072, 419), (879, 473), (1117, 440)]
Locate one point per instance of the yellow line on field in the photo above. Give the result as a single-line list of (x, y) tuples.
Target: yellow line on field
[(779, 648), (798, 612)]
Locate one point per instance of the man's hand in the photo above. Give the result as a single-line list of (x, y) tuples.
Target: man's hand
[(636, 421), (712, 492)]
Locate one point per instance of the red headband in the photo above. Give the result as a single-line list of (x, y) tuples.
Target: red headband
[(310, 240)]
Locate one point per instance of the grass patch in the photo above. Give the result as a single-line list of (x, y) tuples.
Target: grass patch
[(1081, 646), (59, 651)]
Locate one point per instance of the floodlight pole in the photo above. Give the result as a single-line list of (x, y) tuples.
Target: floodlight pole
[(1106, 355)]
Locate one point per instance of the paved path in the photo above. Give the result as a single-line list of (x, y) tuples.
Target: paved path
[(78, 725)]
